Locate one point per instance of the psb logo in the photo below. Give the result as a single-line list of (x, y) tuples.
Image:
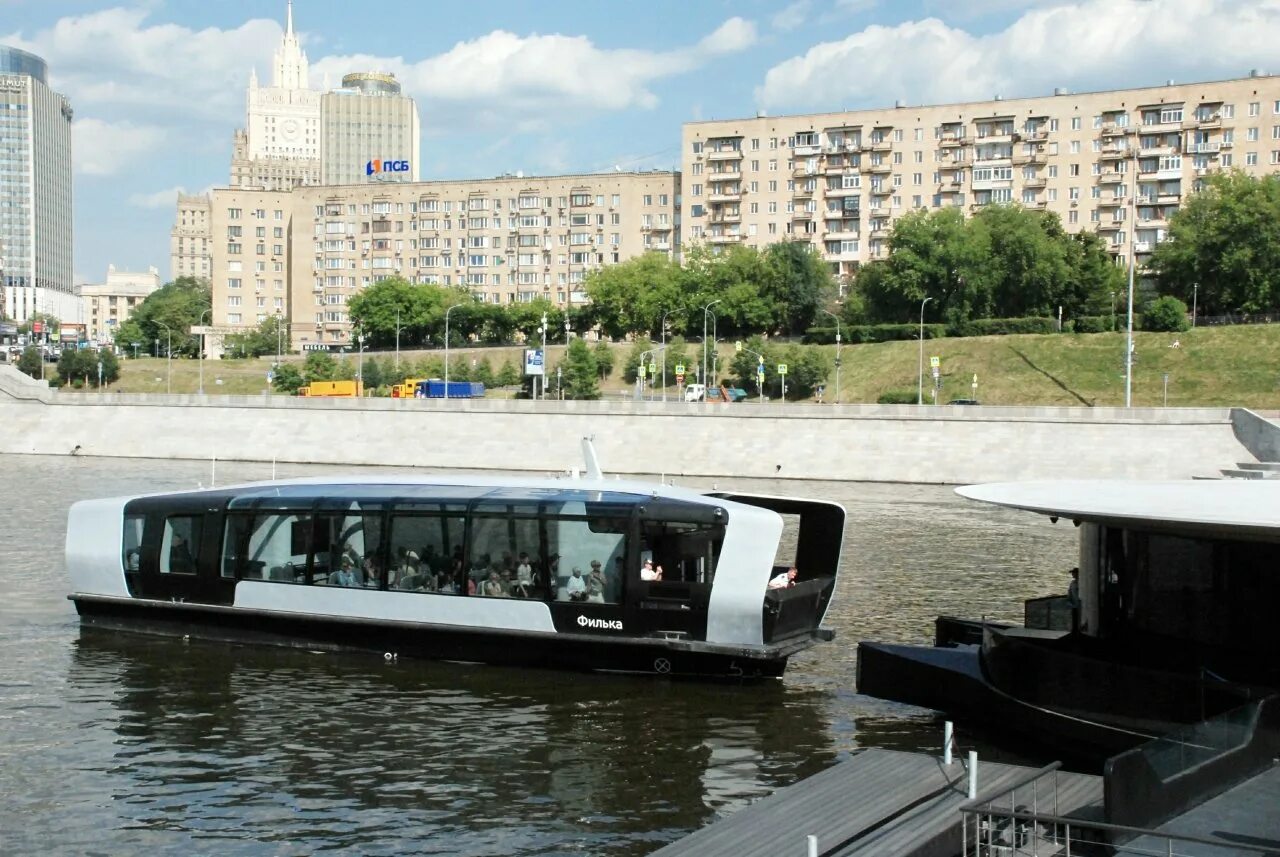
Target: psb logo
[(380, 166)]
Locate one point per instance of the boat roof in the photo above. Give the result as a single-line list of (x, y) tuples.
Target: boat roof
[(1200, 507), (462, 488)]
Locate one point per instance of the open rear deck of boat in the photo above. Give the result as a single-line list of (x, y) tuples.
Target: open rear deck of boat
[(881, 802)]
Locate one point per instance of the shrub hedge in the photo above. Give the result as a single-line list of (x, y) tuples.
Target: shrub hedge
[(898, 397)]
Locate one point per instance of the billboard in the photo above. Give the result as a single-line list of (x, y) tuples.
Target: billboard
[(533, 361)]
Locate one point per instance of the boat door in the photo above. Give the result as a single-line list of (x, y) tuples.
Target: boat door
[(686, 552), (179, 557)]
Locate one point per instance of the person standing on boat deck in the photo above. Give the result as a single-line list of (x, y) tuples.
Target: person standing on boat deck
[(576, 587), (524, 575), (1073, 598), (596, 583), (784, 580), (180, 560)]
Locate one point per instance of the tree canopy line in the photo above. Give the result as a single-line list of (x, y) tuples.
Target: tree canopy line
[(1005, 269)]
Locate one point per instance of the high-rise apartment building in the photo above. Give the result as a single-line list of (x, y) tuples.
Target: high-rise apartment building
[(279, 147), (35, 191), (189, 239), (369, 132), (108, 305), (511, 239), (1117, 163)]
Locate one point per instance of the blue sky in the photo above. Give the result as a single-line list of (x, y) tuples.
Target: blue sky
[(570, 86)]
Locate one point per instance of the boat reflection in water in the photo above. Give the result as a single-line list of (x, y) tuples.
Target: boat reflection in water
[(225, 743), (1173, 621)]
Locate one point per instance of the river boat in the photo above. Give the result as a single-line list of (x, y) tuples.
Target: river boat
[(527, 571), (1172, 621)]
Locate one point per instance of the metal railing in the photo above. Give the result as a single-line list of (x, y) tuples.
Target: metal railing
[(1006, 825)]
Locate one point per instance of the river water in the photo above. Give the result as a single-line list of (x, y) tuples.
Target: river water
[(115, 743)]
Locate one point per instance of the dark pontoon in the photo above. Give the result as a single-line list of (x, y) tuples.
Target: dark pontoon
[(1174, 620), (433, 568)]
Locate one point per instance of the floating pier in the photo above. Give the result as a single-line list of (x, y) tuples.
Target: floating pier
[(883, 803)]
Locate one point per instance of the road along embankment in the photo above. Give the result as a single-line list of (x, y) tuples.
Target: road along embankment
[(952, 445)]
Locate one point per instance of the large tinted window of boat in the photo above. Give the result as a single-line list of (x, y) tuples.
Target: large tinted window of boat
[(426, 552), (505, 537), (180, 545), (592, 547), (687, 552), (132, 549), (270, 546), (346, 550)]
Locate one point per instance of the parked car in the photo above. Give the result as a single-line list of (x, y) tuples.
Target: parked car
[(964, 402)]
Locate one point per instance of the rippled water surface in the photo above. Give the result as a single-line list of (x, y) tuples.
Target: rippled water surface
[(113, 743)]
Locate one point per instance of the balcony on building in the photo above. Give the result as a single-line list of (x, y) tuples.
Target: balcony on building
[(1035, 205), (1110, 225), (878, 169), (725, 195), (1111, 201), (881, 212), (837, 230), (991, 184), (802, 170), (725, 154), (1110, 177), (1035, 182), (1114, 153), (1020, 160), (1038, 135), (881, 234), (802, 192), (1143, 246), (877, 146), (725, 217), (838, 192), (1111, 130), (724, 238), (724, 176), (953, 141), (1204, 148), (952, 166), (838, 168), (950, 187)]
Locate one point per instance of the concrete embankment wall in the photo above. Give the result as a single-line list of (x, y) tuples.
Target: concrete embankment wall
[(849, 442)]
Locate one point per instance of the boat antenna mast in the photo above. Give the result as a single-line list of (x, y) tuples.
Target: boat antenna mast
[(589, 456)]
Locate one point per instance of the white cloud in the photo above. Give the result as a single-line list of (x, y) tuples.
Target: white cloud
[(792, 16), (1092, 44), (503, 77), (115, 57), (101, 148)]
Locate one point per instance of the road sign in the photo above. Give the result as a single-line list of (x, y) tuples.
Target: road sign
[(782, 368), (679, 379), (533, 361), (644, 368), (935, 362), (679, 368), (737, 346)]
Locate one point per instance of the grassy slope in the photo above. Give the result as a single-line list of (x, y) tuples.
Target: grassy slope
[(1214, 366)]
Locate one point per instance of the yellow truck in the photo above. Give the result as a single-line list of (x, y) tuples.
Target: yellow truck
[(332, 389)]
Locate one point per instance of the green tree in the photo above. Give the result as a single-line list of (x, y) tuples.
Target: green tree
[(1226, 240), (632, 296), (604, 358), (376, 373), (484, 372), (318, 366), (31, 362), (1165, 314), (286, 378), (270, 335), (579, 374), (79, 366), (167, 315), (798, 282), (631, 368), (508, 375)]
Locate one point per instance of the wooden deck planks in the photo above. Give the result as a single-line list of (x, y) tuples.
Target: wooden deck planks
[(881, 802)]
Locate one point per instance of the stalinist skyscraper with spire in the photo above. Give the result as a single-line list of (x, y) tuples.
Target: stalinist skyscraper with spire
[(279, 147)]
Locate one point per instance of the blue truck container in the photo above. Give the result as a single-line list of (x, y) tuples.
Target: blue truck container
[(434, 389)]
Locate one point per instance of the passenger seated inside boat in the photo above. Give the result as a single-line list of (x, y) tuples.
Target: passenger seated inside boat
[(576, 586), (345, 575), (493, 586)]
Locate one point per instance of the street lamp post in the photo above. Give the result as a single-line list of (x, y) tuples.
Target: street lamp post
[(278, 343), (1133, 262), (837, 318), (399, 328), (446, 348), (202, 315), (135, 349), (664, 354), (920, 378), (544, 356), (360, 362), (168, 358), (706, 310), (1195, 294)]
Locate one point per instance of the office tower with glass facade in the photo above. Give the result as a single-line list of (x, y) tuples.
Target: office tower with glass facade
[(35, 191), (369, 132)]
